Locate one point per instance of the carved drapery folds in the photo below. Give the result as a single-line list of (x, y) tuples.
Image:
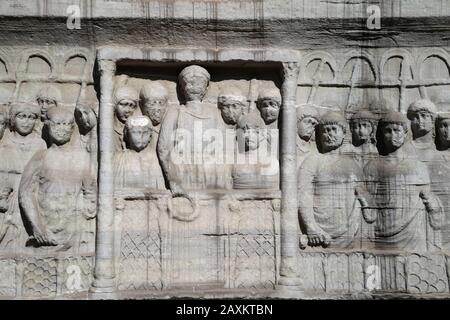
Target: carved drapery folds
[(322, 173)]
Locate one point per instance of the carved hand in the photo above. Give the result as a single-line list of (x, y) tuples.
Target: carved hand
[(427, 200), (177, 190), (318, 237), (42, 238)]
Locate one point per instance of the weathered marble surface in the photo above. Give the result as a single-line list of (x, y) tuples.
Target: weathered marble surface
[(235, 148)]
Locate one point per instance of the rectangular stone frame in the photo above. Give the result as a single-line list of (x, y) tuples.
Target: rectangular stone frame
[(107, 58)]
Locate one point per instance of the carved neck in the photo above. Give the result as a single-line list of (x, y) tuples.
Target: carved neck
[(61, 147), (425, 139)]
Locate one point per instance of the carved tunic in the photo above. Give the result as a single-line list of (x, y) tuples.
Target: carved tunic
[(401, 219), (327, 185), (189, 149), (138, 170), (14, 155), (256, 176), (60, 194)]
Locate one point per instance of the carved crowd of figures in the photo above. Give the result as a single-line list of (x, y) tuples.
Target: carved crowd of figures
[(48, 175), (389, 188), (386, 190)]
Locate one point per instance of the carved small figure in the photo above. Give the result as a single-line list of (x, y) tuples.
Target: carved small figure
[(363, 126), (17, 148), (125, 104), (269, 103), (329, 188), (259, 169), (422, 114), (48, 97), (138, 166), (86, 119), (403, 204), (57, 191), (307, 120), (440, 173), (154, 99), (232, 104)]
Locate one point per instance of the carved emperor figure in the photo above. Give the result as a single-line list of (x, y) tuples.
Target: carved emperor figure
[(329, 188), (403, 206), (57, 190), (182, 133)]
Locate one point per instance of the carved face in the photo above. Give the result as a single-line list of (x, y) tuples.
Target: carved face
[(331, 136), (394, 135), (138, 137), (252, 138), (60, 128), (154, 108), (124, 109), (194, 87), (231, 110), (362, 130), (422, 123), (306, 127), (269, 109), (45, 104), (86, 118), (24, 122), (443, 131)]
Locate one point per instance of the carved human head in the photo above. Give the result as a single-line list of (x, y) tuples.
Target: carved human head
[(125, 102), (443, 130), (153, 101), (422, 114), (3, 119), (363, 126), (393, 127), (251, 131), (23, 117), (85, 117), (138, 132), (307, 120), (232, 104), (269, 102), (194, 82), (48, 97), (60, 124), (332, 128)]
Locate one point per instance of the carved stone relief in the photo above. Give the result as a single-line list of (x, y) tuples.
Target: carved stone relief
[(208, 211)]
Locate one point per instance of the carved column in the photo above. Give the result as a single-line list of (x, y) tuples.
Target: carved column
[(289, 221), (104, 272)]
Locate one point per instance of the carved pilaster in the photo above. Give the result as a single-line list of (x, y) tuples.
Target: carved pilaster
[(289, 220), (104, 272)]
